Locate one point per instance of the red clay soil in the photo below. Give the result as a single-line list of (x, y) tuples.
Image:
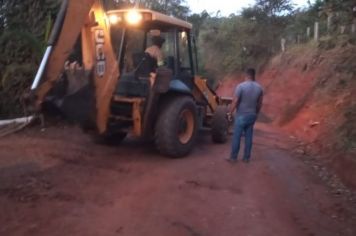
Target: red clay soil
[(58, 182), (310, 92)]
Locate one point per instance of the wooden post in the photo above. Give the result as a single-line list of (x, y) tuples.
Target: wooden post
[(342, 29), (328, 26), (330, 17), (308, 32), (283, 44), (316, 31), (353, 28)]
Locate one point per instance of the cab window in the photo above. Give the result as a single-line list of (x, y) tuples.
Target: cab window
[(184, 60), (167, 48), (134, 48)]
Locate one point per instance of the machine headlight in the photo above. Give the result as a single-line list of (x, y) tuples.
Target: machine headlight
[(114, 19), (133, 17)]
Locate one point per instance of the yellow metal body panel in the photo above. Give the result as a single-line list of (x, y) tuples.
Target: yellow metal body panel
[(106, 69), (137, 111), (205, 92), (86, 17), (77, 10)]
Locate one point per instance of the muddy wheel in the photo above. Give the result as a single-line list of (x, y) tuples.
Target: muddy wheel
[(110, 139), (176, 127), (220, 125)]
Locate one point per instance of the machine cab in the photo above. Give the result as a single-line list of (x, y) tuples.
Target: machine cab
[(133, 32)]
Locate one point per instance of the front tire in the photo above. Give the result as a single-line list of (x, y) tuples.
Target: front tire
[(176, 127), (220, 125)]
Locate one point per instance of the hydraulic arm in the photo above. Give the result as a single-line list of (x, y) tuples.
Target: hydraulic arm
[(88, 19)]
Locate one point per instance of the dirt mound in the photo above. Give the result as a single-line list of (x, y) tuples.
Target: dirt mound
[(310, 92)]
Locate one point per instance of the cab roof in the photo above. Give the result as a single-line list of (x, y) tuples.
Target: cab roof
[(158, 17)]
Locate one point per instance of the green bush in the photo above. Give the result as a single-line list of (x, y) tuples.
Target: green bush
[(24, 28)]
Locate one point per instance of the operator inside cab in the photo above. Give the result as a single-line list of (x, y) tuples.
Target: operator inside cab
[(155, 50)]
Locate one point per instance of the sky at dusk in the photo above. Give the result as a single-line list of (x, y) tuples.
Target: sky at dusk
[(227, 7)]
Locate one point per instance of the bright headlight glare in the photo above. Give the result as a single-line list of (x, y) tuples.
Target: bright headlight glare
[(133, 17), (114, 19)]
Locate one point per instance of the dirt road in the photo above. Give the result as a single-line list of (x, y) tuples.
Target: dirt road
[(58, 182)]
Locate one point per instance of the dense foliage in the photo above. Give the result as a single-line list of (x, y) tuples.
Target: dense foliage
[(230, 44), (24, 27)]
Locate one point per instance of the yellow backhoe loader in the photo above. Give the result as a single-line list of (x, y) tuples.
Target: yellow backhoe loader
[(121, 89)]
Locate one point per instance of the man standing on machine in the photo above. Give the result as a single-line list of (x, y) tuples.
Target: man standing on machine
[(155, 50)]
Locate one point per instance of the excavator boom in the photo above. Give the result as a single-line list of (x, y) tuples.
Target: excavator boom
[(88, 19)]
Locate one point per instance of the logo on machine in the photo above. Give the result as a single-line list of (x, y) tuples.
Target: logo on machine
[(100, 55)]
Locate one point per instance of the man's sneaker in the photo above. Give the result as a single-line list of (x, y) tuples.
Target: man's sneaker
[(231, 160), (246, 160)]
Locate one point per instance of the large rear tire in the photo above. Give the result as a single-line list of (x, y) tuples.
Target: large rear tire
[(176, 127), (220, 125)]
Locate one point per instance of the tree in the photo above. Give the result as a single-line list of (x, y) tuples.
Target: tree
[(231, 44), (176, 8), (274, 8), (23, 31), (266, 22), (198, 21)]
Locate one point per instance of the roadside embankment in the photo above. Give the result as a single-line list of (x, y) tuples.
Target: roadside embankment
[(310, 91)]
